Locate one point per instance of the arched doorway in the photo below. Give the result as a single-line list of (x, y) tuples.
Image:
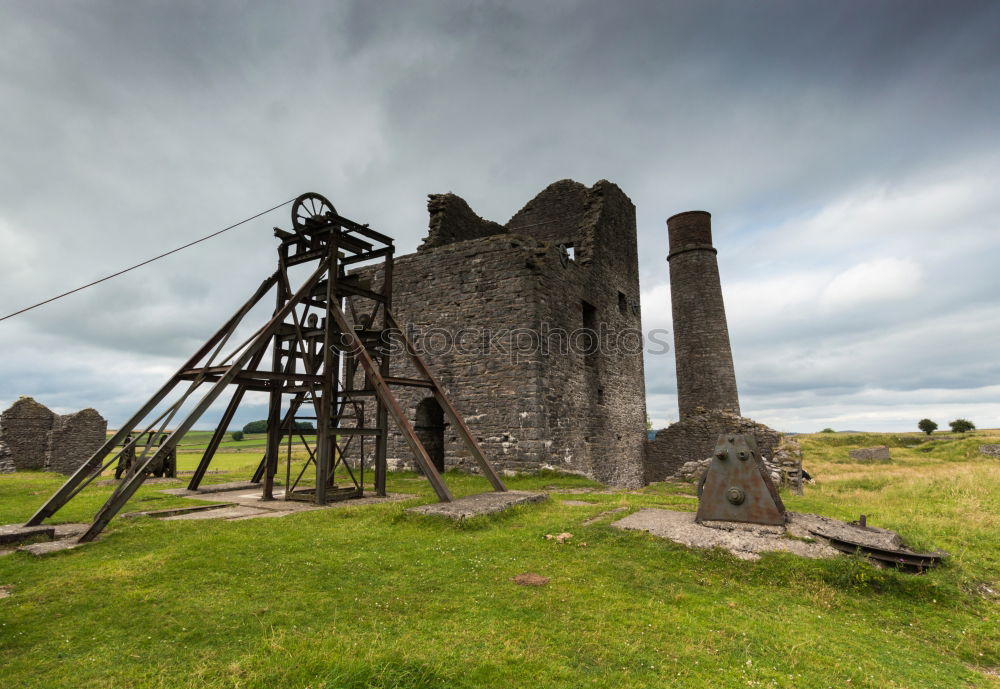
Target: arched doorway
[(429, 425)]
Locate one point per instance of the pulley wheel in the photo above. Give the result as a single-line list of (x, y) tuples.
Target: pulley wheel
[(310, 206)]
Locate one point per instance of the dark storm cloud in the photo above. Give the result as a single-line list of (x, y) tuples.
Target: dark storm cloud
[(808, 129)]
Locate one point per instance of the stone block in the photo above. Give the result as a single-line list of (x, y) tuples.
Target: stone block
[(879, 453)]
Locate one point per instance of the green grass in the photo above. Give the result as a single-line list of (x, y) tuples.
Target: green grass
[(369, 596)]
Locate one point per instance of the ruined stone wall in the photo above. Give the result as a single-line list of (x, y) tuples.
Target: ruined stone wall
[(694, 438), (595, 402), (990, 450), (6, 460), (34, 437), (73, 439), (24, 427), (531, 400), (451, 220), (449, 298)]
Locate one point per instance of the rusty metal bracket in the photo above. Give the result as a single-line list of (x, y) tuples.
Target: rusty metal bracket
[(736, 487)]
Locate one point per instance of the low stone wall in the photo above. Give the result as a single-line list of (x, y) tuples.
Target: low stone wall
[(990, 450), (694, 439), (879, 453)]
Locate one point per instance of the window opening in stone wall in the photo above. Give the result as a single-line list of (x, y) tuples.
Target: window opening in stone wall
[(590, 339), (622, 303), (429, 425), (566, 253)]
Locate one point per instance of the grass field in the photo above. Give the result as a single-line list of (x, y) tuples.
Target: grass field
[(368, 596)]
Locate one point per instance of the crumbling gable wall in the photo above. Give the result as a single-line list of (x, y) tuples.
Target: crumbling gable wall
[(24, 428), (499, 292), (451, 220), (74, 438), (34, 437)]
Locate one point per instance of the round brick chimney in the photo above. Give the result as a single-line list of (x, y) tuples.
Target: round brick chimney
[(705, 374)]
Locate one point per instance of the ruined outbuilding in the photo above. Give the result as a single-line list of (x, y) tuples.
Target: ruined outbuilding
[(502, 312), (34, 437)]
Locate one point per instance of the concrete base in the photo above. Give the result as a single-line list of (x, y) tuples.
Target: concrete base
[(216, 488), (479, 504), (18, 533), (745, 541), (234, 502), (59, 537), (47, 547)]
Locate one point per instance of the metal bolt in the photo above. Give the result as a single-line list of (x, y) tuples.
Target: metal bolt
[(722, 454), (742, 455), (735, 495)]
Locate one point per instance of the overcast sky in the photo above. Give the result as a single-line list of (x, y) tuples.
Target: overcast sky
[(848, 151)]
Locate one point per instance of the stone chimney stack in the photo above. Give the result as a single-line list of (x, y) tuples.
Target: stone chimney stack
[(705, 375)]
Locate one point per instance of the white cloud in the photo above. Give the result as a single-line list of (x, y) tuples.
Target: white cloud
[(878, 280)]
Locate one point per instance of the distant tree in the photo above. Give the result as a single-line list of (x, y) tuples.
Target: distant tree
[(962, 425), (255, 427), (237, 435), (649, 424), (927, 426), (261, 426), (828, 430)]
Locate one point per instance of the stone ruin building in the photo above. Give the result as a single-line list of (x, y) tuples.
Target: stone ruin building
[(34, 437), (494, 308), (497, 311)]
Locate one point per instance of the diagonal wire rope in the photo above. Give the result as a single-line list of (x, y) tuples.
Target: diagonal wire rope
[(147, 261)]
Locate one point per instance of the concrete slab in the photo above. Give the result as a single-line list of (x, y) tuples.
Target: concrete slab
[(148, 482), (18, 533), (479, 504), (70, 530), (235, 503), (577, 503), (214, 488), (170, 512), (224, 512), (52, 546), (745, 541)]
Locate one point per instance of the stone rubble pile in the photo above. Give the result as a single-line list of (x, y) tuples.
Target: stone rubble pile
[(690, 472), (784, 468), (696, 436)]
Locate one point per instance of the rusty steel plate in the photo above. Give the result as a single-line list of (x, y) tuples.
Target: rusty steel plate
[(736, 486)]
